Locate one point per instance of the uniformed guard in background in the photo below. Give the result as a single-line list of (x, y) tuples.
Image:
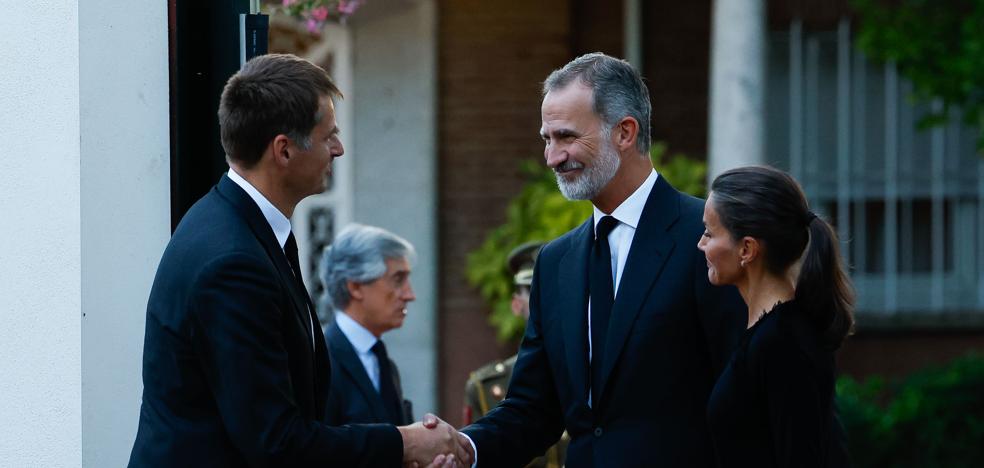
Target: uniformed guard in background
[(486, 387)]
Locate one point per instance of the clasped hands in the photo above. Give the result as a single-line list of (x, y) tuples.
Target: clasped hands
[(434, 443)]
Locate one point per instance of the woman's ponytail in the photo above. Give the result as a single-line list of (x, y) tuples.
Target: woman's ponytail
[(823, 286)]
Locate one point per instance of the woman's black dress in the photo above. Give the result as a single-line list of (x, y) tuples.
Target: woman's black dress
[(773, 405)]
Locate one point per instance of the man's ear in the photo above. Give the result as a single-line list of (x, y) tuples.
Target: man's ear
[(625, 133), (355, 290), (280, 147)]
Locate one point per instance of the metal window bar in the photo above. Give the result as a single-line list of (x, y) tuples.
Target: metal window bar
[(860, 224), (980, 234), (938, 154), (906, 202), (891, 187), (844, 132), (795, 99), (811, 119)]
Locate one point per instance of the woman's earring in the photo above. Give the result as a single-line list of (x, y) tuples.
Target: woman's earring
[(742, 264)]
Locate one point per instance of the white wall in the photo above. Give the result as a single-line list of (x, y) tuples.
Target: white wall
[(85, 209), (40, 288), (125, 209), (395, 167)]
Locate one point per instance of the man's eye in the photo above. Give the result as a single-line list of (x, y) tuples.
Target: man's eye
[(706, 234)]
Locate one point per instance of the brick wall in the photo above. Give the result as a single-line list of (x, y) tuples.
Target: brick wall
[(676, 65), (492, 58)]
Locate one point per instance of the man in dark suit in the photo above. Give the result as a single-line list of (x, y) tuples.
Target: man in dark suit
[(625, 336), (235, 373), (366, 274)]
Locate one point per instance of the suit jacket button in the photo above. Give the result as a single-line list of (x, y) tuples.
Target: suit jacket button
[(598, 432)]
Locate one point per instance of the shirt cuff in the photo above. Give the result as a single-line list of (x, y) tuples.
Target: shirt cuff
[(474, 450)]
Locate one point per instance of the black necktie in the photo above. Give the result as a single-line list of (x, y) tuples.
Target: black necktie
[(290, 250), (387, 385), (602, 293)]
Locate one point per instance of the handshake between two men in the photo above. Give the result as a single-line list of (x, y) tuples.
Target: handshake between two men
[(434, 443)]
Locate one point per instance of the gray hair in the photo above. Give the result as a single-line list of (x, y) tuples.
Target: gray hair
[(359, 254), (616, 87)]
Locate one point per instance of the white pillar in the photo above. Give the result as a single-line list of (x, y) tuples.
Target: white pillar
[(632, 32), (737, 94), (40, 251), (125, 186)]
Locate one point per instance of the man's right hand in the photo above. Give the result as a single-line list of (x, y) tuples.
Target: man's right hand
[(424, 441)]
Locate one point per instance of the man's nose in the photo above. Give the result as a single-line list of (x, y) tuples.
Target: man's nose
[(408, 294), (555, 155)]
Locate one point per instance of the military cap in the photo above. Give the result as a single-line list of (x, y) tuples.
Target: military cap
[(521, 261)]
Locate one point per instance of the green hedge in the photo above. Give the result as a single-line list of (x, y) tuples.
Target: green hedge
[(933, 418), (540, 213)]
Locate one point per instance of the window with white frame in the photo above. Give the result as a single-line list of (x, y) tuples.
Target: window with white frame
[(907, 203)]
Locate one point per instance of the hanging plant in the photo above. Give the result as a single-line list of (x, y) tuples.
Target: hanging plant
[(315, 13)]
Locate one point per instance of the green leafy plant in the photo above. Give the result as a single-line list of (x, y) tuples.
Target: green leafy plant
[(936, 44), (933, 418), (540, 213)]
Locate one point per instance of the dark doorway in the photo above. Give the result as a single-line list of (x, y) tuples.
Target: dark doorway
[(204, 53)]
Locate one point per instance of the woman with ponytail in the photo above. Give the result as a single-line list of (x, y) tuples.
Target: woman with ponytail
[(773, 405)]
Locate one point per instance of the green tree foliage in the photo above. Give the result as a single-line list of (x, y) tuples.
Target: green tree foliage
[(540, 213), (930, 419), (936, 44)]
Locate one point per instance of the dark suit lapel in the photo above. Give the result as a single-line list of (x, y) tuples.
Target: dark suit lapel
[(262, 230), (322, 364), (345, 356), (650, 249), (572, 276)]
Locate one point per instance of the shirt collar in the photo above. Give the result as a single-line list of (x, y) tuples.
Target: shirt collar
[(362, 340), (630, 210), (278, 222)]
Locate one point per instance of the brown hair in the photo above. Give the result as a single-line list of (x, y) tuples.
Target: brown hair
[(271, 95), (769, 205)]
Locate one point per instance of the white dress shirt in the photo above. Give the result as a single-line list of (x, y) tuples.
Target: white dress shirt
[(620, 239), (277, 220), (362, 341)]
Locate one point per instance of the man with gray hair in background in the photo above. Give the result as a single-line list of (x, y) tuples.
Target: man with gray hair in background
[(366, 275), (626, 335)]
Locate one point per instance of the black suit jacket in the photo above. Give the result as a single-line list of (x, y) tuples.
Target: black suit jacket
[(669, 335), (352, 398), (230, 374)]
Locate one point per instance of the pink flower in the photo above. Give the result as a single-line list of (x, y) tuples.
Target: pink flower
[(347, 7), (312, 25), (320, 13), (287, 3)]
